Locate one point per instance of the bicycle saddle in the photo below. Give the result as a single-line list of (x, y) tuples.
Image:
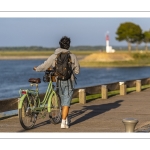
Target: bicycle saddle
[(35, 80)]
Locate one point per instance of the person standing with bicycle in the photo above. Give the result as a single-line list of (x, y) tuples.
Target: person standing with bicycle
[(65, 65)]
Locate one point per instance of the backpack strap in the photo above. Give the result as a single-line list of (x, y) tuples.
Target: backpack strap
[(75, 78)]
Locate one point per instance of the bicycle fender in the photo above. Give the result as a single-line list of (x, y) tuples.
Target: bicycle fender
[(21, 100)]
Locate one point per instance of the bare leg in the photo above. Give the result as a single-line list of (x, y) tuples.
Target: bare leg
[(65, 111)]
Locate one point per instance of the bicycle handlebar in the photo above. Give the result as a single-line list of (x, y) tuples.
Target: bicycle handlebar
[(50, 71), (49, 75)]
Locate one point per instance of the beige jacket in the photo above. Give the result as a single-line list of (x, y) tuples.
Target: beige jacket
[(50, 62)]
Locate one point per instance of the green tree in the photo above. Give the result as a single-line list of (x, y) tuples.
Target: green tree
[(146, 39), (139, 39), (129, 32)]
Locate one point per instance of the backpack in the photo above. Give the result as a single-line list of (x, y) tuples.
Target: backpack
[(63, 67)]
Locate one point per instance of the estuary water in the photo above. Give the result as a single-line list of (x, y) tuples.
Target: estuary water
[(14, 75)]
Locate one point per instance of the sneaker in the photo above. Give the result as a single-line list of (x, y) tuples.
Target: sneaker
[(64, 126), (68, 121)]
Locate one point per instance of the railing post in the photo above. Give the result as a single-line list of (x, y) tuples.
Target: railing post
[(82, 96), (122, 88), (138, 85), (104, 91)]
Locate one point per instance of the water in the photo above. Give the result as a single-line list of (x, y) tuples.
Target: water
[(14, 74)]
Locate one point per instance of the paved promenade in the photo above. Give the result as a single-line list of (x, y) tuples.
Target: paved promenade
[(96, 116)]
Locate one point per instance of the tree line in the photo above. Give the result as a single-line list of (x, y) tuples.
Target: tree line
[(40, 48), (133, 34)]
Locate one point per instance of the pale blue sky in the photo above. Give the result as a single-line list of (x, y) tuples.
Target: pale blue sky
[(46, 32)]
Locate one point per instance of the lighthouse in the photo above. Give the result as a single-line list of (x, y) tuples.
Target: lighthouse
[(108, 48), (107, 42)]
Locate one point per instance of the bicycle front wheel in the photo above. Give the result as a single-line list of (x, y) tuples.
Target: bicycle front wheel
[(55, 114), (26, 116)]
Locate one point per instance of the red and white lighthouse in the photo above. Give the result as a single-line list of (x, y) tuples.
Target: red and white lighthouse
[(108, 48)]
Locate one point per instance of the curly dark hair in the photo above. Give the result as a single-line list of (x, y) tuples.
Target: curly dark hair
[(65, 42)]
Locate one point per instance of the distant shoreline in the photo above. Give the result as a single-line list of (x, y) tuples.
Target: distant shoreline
[(22, 57), (28, 57)]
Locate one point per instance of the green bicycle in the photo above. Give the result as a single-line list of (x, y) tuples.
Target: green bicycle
[(30, 104)]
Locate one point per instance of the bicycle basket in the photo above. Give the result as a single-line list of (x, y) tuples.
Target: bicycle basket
[(46, 77)]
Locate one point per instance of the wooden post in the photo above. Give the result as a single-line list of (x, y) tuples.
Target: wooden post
[(138, 85), (122, 88), (82, 96), (104, 91)]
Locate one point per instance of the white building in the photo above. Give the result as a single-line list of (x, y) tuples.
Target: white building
[(108, 48)]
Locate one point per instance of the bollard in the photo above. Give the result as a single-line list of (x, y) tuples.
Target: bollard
[(138, 85), (122, 88), (130, 124), (104, 92), (82, 96)]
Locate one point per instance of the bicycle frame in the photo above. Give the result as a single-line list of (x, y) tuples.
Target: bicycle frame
[(41, 104)]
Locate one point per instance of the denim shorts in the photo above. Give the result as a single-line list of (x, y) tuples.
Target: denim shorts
[(65, 92)]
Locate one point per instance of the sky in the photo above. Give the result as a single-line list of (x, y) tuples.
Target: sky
[(26, 23), (46, 32)]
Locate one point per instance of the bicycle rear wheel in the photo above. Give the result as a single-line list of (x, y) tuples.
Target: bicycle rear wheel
[(55, 114), (26, 116)]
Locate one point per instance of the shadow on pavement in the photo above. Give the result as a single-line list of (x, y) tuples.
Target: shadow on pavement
[(95, 111)]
